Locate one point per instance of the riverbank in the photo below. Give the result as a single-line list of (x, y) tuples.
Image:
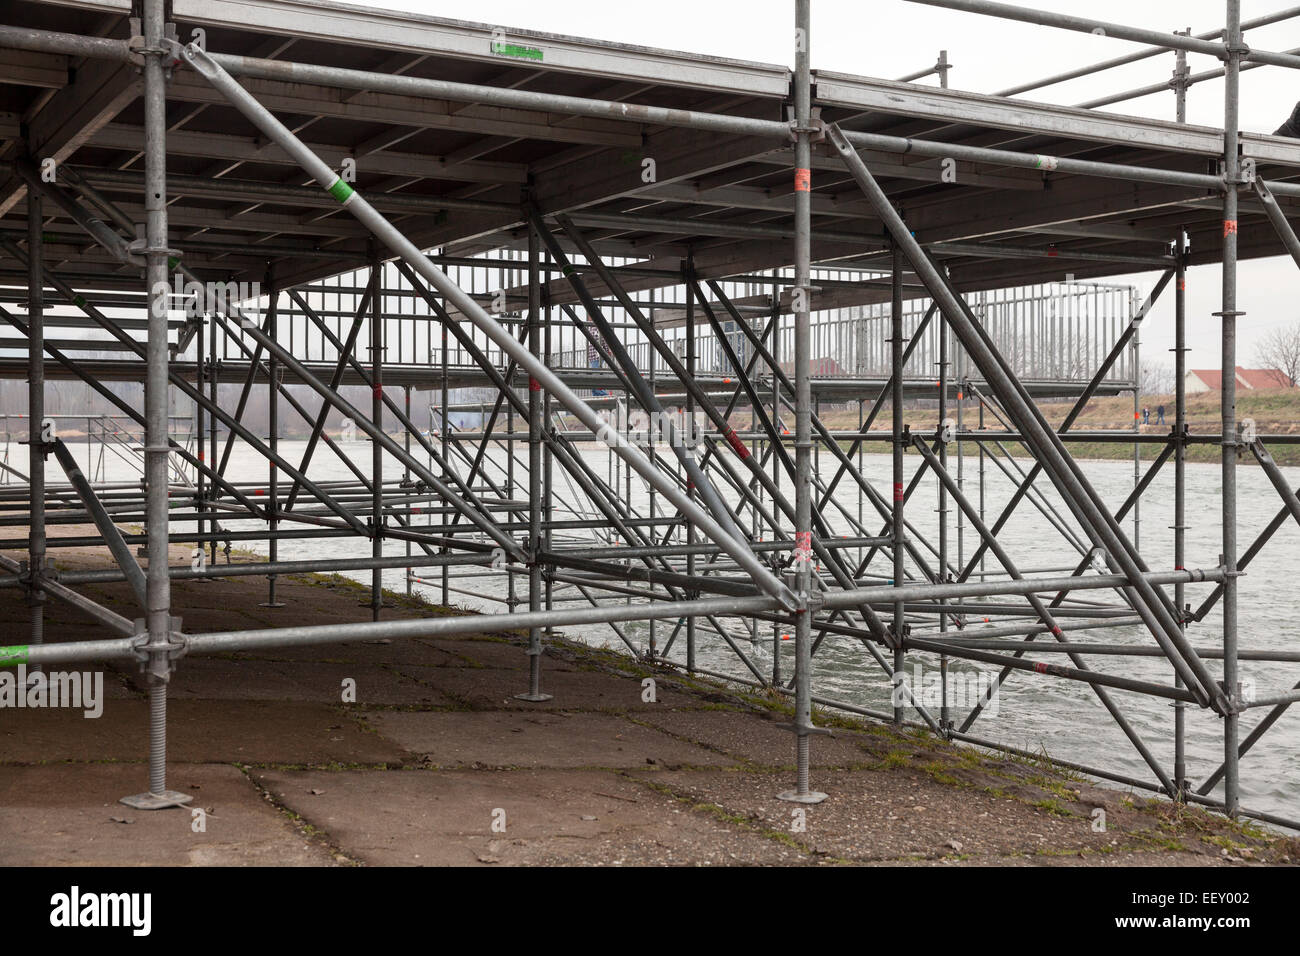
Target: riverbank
[(1275, 412), (436, 750)]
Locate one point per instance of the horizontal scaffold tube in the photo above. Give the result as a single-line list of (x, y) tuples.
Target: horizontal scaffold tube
[(665, 116), (221, 642), (68, 44), (923, 592), (224, 641), (483, 556), (1140, 55), (290, 72), (1104, 650), (1065, 21)]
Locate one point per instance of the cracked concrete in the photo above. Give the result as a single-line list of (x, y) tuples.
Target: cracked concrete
[(435, 762)]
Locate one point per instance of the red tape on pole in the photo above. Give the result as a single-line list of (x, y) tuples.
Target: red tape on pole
[(736, 444), (802, 548)]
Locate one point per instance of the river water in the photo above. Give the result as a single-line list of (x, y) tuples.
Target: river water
[(1062, 718)]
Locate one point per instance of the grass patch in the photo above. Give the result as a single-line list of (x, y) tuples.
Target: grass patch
[(1053, 806), (895, 760), (938, 772)]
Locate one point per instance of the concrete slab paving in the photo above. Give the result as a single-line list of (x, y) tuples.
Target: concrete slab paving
[(413, 651), (758, 738), (441, 818), (207, 678), (499, 653), (198, 731), (70, 814), (492, 688), (409, 774), (517, 739)]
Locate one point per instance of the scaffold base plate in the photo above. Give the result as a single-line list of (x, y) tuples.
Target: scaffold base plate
[(157, 801), (794, 796)]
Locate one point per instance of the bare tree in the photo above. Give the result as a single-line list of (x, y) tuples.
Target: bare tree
[(1069, 358), (1157, 378), (1280, 349)]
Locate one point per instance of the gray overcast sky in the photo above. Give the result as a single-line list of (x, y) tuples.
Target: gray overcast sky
[(890, 38)]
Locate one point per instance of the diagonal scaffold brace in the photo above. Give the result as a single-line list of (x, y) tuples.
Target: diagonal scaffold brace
[(369, 217), (1147, 600)]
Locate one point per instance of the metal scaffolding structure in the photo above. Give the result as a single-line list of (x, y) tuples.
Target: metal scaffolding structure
[(660, 273)]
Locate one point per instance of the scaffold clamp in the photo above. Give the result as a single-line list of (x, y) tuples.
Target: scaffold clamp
[(159, 660), (816, 128)]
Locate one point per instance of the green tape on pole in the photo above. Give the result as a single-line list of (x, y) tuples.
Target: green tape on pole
[(517, 51), (13, 656), (340, 190)]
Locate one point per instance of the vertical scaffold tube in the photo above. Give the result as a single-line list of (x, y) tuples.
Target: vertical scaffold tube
[(158, 622), (803, 405), (898, 528), (273, 440), (536, 405), (377, 416), (1180, 435), (1228, 406), (689, 276), (1180, 494), (36, 414)]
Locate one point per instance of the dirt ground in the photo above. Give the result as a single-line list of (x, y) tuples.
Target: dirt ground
[(438, 763)]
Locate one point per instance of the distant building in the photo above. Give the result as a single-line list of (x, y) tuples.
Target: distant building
[(1263, 378), (1248, 379)]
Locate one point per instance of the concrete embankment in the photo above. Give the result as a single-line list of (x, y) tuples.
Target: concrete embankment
[(436, 762)]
